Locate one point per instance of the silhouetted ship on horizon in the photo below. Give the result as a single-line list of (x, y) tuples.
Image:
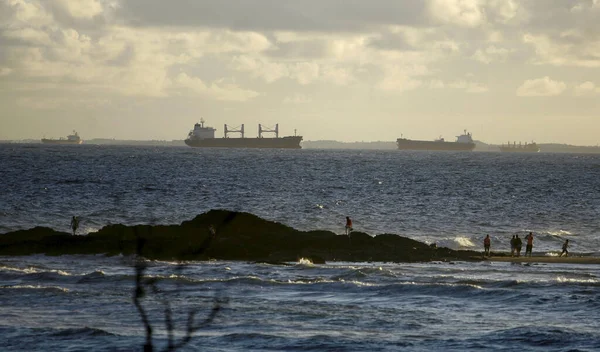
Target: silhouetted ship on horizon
[(464, 142), (520, 148), (71, 139), (204, 137)]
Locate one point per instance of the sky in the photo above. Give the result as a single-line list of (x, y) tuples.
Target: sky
[(346, 70)]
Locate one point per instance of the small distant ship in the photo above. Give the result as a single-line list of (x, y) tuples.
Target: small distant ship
[(520, 148), (464, 142), (204, 137), (71, 139)]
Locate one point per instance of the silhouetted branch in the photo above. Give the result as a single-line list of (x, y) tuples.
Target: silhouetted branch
[(143, 284)]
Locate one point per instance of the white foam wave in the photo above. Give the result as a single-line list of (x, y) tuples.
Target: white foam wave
[(33, 270), (560, 233), (463, 241), (583, 281), (35, 287), (29, 270), (305, 261)]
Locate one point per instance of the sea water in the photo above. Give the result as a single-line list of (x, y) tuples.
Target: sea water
[(82, 303)]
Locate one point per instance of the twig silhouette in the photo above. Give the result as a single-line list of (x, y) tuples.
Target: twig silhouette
[(143, 284)]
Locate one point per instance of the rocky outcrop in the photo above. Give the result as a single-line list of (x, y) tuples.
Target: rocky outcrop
[(226, 235)]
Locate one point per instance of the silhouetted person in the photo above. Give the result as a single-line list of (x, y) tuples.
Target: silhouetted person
[(74, 224), (529, 246), (518, 245), (565, 249), (513, 246), (348, 226), (486, 245)]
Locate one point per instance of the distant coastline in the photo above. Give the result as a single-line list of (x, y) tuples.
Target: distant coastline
[(329, 144)]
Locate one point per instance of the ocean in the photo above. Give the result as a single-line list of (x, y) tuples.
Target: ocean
[(453, 199)]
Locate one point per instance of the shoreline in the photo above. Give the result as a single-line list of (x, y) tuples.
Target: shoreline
[(546, 259)]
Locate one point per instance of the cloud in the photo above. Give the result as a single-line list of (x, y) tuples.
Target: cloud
[(268, 15), (218, 90), (465, 13), (586, 89), (491, 54), (86, 9), (400, 79), (570, 48), (541, 87)]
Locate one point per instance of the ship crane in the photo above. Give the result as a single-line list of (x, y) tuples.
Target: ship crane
[(239, 129), (262, 130)]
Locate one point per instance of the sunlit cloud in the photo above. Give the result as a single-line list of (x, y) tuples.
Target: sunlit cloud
[(541, 87)]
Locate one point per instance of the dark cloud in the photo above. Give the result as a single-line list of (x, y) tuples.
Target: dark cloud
[(300, 49), (269, 15), (391, 41)]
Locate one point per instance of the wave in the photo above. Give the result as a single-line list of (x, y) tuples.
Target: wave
[(93, 276), (36, 288), (81, 332)]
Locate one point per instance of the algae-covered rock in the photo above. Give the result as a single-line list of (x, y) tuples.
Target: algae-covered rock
[(226, 235)]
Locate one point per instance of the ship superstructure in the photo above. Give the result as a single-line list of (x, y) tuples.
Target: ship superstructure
[(464, 142), (204, 137)]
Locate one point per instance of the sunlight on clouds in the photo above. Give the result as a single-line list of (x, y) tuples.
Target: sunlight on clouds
[(81, 8), (569, 50), (541, 87), (466, 13), (134, 51), (18, 13), (587, 89), (219, 90)]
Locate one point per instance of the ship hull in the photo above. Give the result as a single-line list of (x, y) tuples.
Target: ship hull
[(519, 150), (292, 142), (406, 144), (60, 141)]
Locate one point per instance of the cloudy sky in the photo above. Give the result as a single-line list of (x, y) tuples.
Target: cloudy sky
[(348, 70)]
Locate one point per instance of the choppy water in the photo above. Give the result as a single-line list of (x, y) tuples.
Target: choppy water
[(451, 198), (79, 303), (82, 303)]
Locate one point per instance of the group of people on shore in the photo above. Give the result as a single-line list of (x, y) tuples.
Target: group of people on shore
[(516, 244)]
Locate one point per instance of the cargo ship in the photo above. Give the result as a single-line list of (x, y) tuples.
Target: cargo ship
[(204, 137), (71, 139), (520, 148), (463, 142)]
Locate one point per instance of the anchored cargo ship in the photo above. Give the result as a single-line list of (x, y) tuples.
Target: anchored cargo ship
[(520, 148), (71, 139), (463, 142), (204, 137)]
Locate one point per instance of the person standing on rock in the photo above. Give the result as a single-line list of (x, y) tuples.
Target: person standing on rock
[(565, 249), (529, 246), (518, 245), (513, 246), (348, 225), (486, 245), (74, 224)]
